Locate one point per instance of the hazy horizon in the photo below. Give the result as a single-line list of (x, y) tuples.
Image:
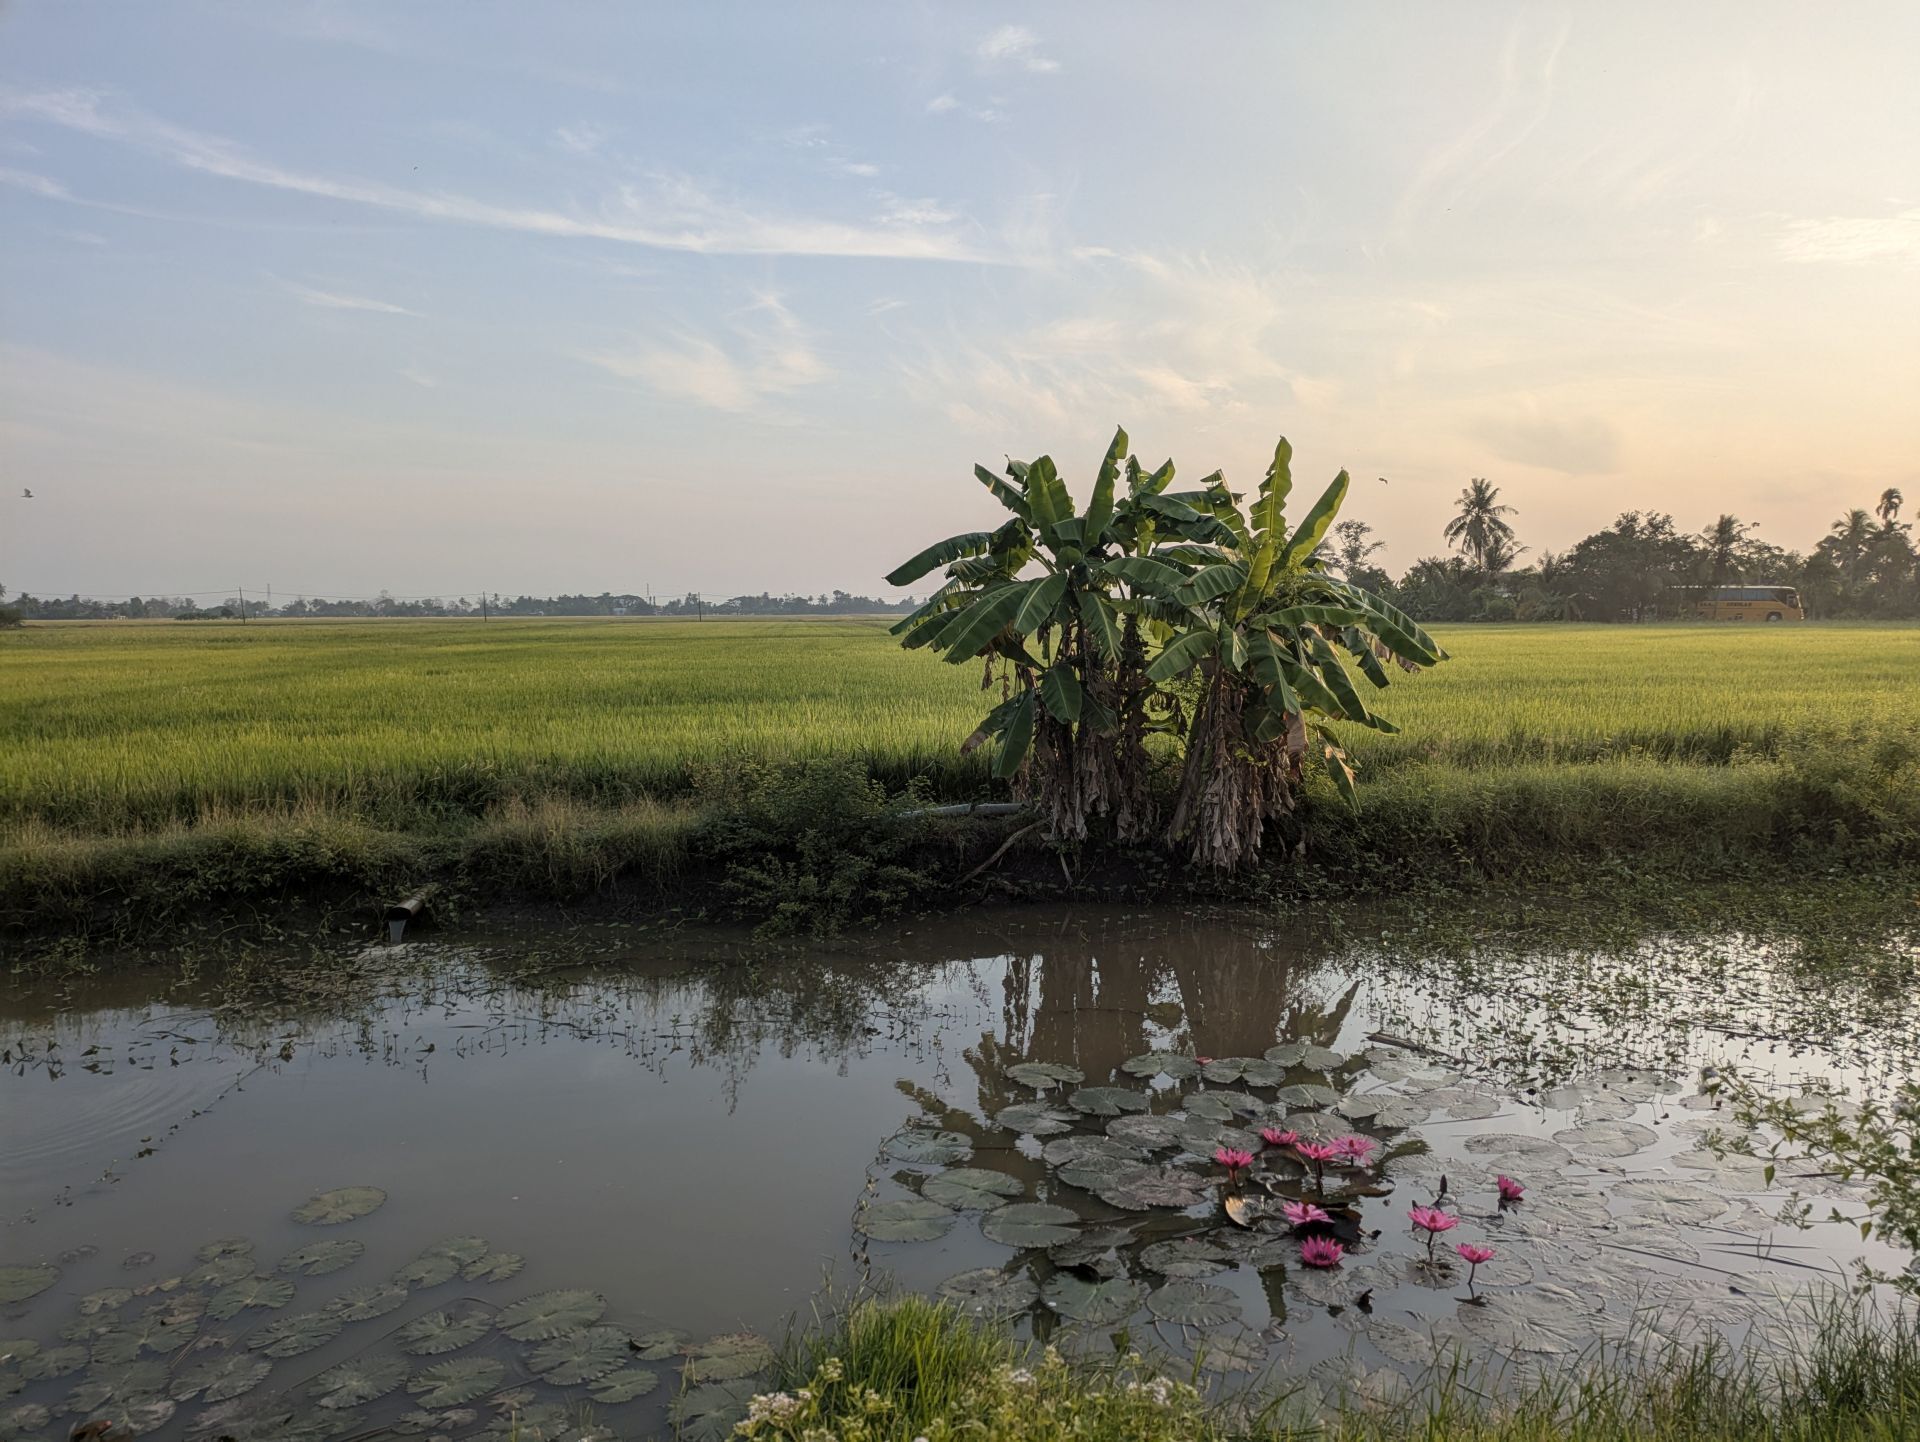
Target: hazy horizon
[(447, 298)]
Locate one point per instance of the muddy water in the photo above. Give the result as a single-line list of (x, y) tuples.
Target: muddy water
[(700, 1135)]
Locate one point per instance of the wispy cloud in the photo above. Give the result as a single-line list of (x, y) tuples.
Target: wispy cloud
[(34, 184), (1017, 46), (765, 352), (676, 215), (334, 300), (948, 103), (579, 139), (1853, 239), (418, 377)]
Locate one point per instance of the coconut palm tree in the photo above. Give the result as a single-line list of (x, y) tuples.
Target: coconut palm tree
[(1849, 541), (1726, 538), (1890, 503), (1479, 527)]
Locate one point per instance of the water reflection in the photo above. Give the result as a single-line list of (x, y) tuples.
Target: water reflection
[(685, 1125)]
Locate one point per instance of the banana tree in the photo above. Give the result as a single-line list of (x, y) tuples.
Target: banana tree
[(1263, 627), (1042, 599)]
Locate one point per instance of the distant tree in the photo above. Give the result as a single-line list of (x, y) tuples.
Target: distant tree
[(1480, 525), (1726, 541), (1352, 552), (1890, 503), (1500, 555)]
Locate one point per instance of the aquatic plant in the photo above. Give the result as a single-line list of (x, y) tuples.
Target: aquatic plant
[(1303, 1214), (1510, 1190), (1321, 1252), (1235, 1161), (1433, 1221), (1474, 1256), (1317, 1155)]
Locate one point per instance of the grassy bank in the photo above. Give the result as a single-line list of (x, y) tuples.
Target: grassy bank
[(910, 1369), (159, 773)]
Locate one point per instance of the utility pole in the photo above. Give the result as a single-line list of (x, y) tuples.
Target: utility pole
[(243, 604)]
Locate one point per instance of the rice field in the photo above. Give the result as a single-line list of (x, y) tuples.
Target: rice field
[(109, 727)]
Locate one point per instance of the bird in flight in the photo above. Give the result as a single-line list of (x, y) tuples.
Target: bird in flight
[(26, 493)]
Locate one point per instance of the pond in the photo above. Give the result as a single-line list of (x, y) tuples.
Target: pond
[(501, 1184)]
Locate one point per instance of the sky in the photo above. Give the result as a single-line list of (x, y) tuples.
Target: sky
[(441, 298)]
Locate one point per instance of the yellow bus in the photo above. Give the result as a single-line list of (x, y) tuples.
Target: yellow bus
[(1749, 603)]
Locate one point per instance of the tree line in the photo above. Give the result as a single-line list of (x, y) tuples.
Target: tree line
[(691, 606), (1864, 567)]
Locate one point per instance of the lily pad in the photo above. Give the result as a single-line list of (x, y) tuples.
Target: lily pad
[(909, 1219), (1152, 1133), (1042, 1075), (494, 1267), (1034, 1119), (443, 1423), (1193, 1304), (1029, 1224), (722, 1359), (291, 1336), (548, 1314), (624, 1385), (342, 1204), (1208, 1107), (429, 1269), (219, 1271), (576, 1357), (449, 1384), (19, 1423), (1097, 1304), (123, 1385), (1308, 1094), (107, 1299), (1608, 1138), (362, 1304), (708, 1413), (17, 1283), (271, 1293), (436, 1333), (136, 1417), (1107, 1101), (1513, 1146), (220, 1379), (971, 1189), (358, 1380), (927, 1149), (323, 1257), (462, 1249), (1074, 1151), (1233, 1352), (1184, 1257), (1674, 1202), (1171, 1064), (1253, 1070), (659, 1344), (1137, 1189), (990, 1292), (224, 1247), (54, 1362)]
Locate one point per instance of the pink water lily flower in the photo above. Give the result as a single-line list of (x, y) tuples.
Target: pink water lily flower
[(1473, 1256), (1319, 1154), (1234, 1160), (1274, 1137), (1432, 1221), (1204, 1060), (1510, 1190), (1321, 1252), (1356, 1148), (1303, 1214)]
